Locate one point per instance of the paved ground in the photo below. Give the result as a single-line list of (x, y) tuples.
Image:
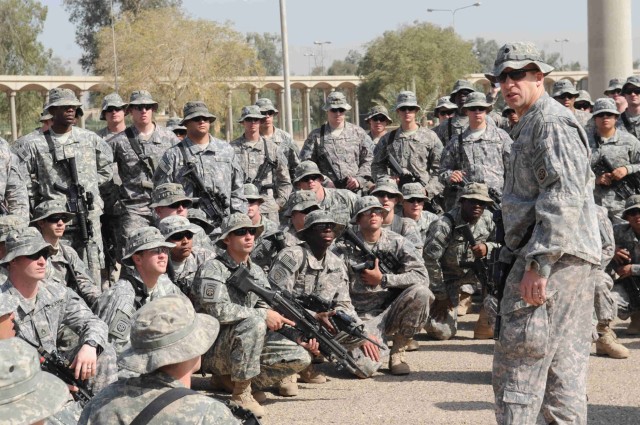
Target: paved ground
[(451, 384)]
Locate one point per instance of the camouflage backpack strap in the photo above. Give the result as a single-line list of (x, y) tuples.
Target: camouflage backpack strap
[(161, 402), (626, 122), (137, 149), (141, 296), (183, 152)]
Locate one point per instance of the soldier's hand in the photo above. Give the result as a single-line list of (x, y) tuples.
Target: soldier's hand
[(275, 321), (323, 318), (84, 364), (604, 179), (622, 256), (624, 271), (371, 277), (620, 173), (533, 288), (479, 250), (312, 346), (456, 176), (371, 350), (352, 183), (440, 309)]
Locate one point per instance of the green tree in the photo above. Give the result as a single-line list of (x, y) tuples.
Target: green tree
[(485, 51), (422, 55), (90, 16), (268, 51), (348, 66)]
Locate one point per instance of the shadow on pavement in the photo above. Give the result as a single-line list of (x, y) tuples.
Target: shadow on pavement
[(618, 415), (460, 377), (455, 406), (430, 345)]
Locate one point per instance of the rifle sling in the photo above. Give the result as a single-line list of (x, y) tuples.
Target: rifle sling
[(137, 149), (140, 296), (52, 150), (267, 163), (160, 402)]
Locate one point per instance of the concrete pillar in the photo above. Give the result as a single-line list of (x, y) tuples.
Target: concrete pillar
[(282, 119), (609, 29), (14, 118), (306, 93), (255, 93), (356, 107), (229, 116)]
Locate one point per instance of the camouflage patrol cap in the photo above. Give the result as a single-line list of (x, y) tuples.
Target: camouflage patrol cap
[(51, 207), (234, 222), (306, 168), (444, 103), (517, 56), (406, 98), (367, 203), (477, 191), (23, 242), (631, 203), (605, 105), (321, 216), (251, 192), (379, 110), (251, 111), (27, 393), (633, 81), (173, 224), (45, 115), (62, 97), (11, 222), (584, 96), (174, 123), (336, 100), (477, 99), (143, 239), (413, 191), (199, 218), (564, 86), (194, 109), (387, 185), (301, 200), (141, 97), (460, 85), (8, 303), (167, 331), (168, 193), (112, 99), (265, 104), (614, 84)]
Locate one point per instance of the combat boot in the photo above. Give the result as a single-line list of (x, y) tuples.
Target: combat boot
[(397, 364), (634, 326), (464, 304), (289, 386), (607, 344), (243, 397), (312, 376), (483, 329)]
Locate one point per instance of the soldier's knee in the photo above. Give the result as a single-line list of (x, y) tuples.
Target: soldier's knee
[(253, 327)]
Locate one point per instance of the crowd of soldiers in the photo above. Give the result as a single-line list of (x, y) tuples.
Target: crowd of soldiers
[(142, 254)]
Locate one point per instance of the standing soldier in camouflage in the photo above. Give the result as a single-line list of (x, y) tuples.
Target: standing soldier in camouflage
[(14, 180), (214, 161), (395, 304), (551, 232), (479, 154), (300, 204), (459, 122), (342, 151), (414, 197), (566, 94), (378, 120), (611, 146), (174, 124), (583, 101), (113, 112), (283, 140), (142, 281), (245, 351), (416, 149), (444, 109), (510, 119), (630, 118), (614, 91), (263, 163), (53, 159), (167, 340), (265, 246)]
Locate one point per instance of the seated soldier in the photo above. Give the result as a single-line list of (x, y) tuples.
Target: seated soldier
[(264, 249), (142, 281), (245, 351), (394, 304), (450, 258), (300, 203), (167, 340), (46, 305), (414, 197), (184, 258), (9, 223)]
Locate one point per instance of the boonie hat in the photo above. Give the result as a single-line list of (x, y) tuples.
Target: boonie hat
[(378, 110), (26, 241), (168, 193), (51, 207), (251, 111), (631, 203), (141, 97), (406, 98), (477, 99), (173, 224), (196, 108), (321, 216), (477, 191), (336, 100), (301, 200), (605, 104), (564, 86), (143, 239), (414, 191), (234, 222), (112, 99), (517, 56), (265, 104), (367, 203)]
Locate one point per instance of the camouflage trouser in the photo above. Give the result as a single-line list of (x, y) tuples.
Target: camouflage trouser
[(542, 354), (93, 253), (406, 315), (621, 299), (246, 351), (68, 415), (603, 302), (447, 328)]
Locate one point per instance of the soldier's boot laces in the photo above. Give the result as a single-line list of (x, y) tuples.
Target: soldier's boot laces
[(289, 386), (243, 397), (634, 326), (397, 363), (312, 376), (464, 304), (608, 345), (482, 328)]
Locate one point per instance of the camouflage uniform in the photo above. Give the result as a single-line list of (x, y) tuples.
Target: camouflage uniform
[(112, 99), (264, 248), (348, 154), (542, 354), (423, 223), (13, 184), (458, 123), (244, 349), (565, 86), (298, 201), (178, 335), (626, 122), (286, 145), (9, 223), (377, 110), (622, 149), (47, 167)]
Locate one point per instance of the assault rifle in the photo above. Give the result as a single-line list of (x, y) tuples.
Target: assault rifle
[(56, 365), (478, 265), (263, 171), (246, 416), (386, 263), (212, 202), (628, 186), (368, 264), (493, 194), (409, 177), (306, 325)]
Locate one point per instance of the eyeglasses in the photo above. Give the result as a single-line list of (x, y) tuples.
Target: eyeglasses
[(180, 236), (385, 195), (55, 218), (615, 91), (242, 232), (605, 115), (184, 204), (253, 120), (477, 109), (180, 132), (379, 118), (566, 96), (407, 109), (446, 113), (515, 75), (143, 107), (376, 211), (323, 226), (42, 253), (632, 91), (415, 201), (198, 119), (338, 110), (158, 251), (312, 177), (268, 113), (112, 109)]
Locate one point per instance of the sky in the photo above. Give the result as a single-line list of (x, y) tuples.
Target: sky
[(351, 24)]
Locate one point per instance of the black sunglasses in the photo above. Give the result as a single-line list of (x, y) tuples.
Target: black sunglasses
[(55, 218), (253, 119), (515, 75), (477, 109), (42, 253), (615, 91), (268, 113), (385, 195), (242, 232), (179, 236), (307, 179), (338, 110), (407, 108), (143, 107), (113, 109), (447, 113), (566, 96), (183, 204), (198, 119), (605, 115), (318, 227), (632, 91), (180, 132), (379, 118)]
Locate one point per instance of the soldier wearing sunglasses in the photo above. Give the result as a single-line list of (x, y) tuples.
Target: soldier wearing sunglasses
[(458, 122), (566, 94), (281, 138), (630, 119), (378, 120), (113, 112), (614, 91), (300, 204)]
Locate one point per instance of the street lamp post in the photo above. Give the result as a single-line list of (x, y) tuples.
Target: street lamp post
[(561, 41), (285, 66), (453, 12), (321, 44), (309, 55)]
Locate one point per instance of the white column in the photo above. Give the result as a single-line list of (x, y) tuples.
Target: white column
[(307, 110), (255, 93), (356, 107), (82, 118), (229, 116), (282, 116), (14, 118)]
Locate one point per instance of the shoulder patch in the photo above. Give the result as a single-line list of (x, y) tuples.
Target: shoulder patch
[(288, 261), (279, 273), (210, 290), (120, 325), (164, 165)]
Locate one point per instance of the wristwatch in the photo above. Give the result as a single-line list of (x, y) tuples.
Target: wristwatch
[(383, 282), (92, 343)]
